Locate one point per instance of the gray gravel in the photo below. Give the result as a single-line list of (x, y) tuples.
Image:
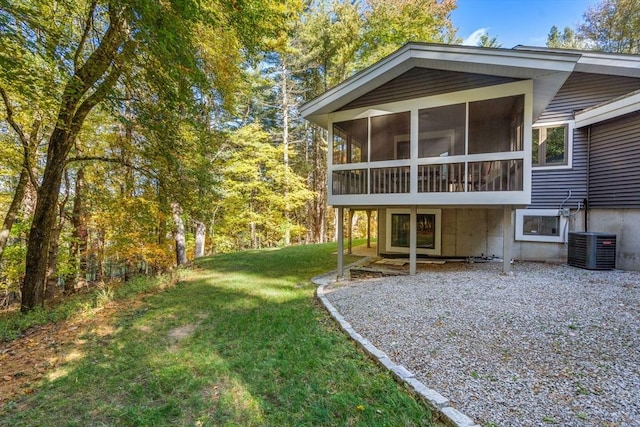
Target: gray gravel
[(549, 345)]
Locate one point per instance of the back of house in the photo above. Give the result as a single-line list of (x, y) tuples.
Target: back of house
[(471, 151)]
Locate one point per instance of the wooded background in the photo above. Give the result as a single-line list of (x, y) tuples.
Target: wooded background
[(137, 134)]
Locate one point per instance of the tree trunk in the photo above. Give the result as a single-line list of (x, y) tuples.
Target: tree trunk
[(44, 219), (179, 237), (89, 85), (162, 221), (9, 219), (29, 201), (52, 263), (316, 210), (78, 249), (201, 231), (285, 148), (25, 190), (100, 256), (51, 281)]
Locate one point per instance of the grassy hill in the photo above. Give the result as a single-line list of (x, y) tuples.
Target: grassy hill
[(240, 340)]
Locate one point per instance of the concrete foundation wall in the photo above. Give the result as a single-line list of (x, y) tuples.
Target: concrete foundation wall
[(549, 252), (470, 232), (465, 232), (625, 224)]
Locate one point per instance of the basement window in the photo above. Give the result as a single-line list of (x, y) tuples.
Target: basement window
[(540, 225), (428, 232)]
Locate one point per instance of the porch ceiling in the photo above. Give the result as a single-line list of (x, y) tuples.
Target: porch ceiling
[(548, 70)]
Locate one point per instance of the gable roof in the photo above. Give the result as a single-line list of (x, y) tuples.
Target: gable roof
[(548, 68)]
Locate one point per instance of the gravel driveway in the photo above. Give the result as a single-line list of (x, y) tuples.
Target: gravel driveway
[(550, 345)]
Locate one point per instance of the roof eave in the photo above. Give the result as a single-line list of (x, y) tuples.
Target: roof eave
[(618, 107), (548, 70), (613, 64)]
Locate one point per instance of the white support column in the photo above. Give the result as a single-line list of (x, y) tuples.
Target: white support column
[(349, 231), (507, 238), (368, 228), (413, 239), (340, 233)]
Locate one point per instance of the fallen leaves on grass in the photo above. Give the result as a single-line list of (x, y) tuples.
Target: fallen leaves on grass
[(41, 351)]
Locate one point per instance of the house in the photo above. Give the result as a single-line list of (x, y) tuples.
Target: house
[(465, 151)]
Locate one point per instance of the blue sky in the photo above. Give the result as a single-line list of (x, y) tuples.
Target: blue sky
[(515, 22)]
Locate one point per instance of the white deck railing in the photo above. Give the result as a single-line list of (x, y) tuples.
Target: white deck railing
[(352, 181), (495, 175), (391, 180)]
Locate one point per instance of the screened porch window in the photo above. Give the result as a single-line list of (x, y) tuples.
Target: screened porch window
[(350, 141), (442, 131), (496, 125), (390, 136)]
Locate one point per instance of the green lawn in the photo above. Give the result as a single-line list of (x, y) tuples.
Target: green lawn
[(240, 341)]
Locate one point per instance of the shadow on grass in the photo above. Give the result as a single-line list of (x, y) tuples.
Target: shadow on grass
[(239, 343)]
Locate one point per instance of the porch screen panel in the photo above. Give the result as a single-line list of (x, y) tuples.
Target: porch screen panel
[(350, 141), (442, 131), (352, 181), (496, 125), (390, 137)]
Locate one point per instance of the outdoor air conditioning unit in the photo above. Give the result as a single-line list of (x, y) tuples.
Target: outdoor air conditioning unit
[(593, 251)]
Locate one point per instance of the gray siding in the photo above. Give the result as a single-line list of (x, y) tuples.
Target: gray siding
[(614, 172), (582, 91), (420, 82), (551, 187)]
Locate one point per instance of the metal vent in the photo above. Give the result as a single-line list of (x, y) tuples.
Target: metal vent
[(593, 251)]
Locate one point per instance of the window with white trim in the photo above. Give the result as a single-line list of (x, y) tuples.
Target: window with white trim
[(428, 232), (540, 225), (550, 145)]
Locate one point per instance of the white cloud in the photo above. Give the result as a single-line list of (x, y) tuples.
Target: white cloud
[(474, 38)]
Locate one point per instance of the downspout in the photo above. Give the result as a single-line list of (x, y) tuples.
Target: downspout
[(586, 200)]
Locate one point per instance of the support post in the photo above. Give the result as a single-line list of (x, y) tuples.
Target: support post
[(340, 241), (350, 242), (368, 228), (507, 237), (413, 239)]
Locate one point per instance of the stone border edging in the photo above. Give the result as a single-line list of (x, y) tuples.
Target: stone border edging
[(433, 399)]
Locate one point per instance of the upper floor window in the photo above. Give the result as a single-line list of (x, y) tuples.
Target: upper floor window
[(350, 141), (549, 146)]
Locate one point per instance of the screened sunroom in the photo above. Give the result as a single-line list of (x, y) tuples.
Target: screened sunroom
[(451, 153)]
